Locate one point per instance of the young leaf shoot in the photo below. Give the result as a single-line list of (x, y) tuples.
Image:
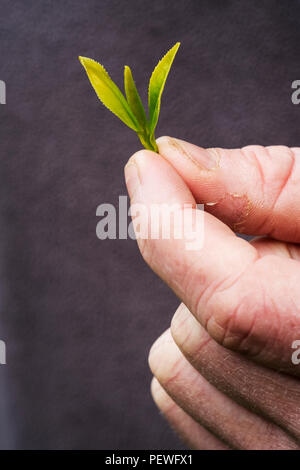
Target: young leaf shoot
[(130, 109)]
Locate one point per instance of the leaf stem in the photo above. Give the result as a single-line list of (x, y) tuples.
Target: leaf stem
[(147, 142)]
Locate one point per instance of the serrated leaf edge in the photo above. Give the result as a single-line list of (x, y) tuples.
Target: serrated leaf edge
[(129, 110), (162, 87)]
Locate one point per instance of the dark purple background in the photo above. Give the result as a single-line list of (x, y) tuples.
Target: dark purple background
[(78, 314)]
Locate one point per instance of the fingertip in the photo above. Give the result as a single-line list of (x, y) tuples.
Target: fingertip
[(164, 139), (135, 168), (155, 389), (140, 156), (159, 180), (186, 156), (160, 397), (155, 350)]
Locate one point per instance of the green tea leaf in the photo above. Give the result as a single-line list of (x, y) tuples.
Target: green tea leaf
[(133, 99), (136, 105), (109, 93), (156, 85), (132, 112)]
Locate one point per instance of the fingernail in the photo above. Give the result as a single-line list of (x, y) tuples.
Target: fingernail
[(132, 177), (206, 159)]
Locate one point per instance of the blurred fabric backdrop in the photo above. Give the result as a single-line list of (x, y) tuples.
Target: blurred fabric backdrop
[(78, 314)]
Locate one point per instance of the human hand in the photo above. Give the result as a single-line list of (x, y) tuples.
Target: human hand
[(224, 375)]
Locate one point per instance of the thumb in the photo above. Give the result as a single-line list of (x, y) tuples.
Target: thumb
[(245, 302), (254, 190)]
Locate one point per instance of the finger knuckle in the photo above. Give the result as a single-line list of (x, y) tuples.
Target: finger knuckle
[(235, 320)]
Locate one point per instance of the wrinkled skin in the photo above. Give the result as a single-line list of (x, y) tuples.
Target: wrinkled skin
[(223, 372)]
